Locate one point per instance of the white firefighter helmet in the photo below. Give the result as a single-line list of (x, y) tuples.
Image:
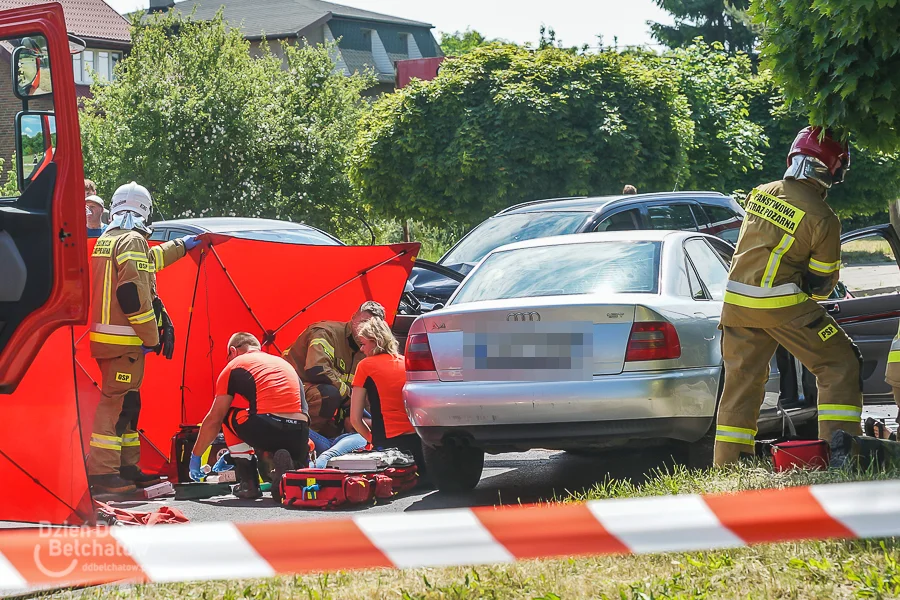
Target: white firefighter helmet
[(134, 198)]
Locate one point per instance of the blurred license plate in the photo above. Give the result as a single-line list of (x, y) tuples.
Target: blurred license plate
[(530, 352)]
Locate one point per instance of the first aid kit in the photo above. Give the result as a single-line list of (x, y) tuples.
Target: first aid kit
[(331, 488)]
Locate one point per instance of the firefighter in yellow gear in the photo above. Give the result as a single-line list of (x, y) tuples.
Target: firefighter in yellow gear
[(892, 372), (788, 256), (325, 357), (127, 321)]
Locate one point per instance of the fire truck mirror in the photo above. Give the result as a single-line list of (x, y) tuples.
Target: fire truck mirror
[(35, 144), (31, 68)]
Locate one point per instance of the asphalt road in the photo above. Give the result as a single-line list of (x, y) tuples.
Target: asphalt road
[(508, 479), (877, 278)]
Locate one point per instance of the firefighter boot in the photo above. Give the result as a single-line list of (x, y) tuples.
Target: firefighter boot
[(283, 464), (110, 484), (248, 478), (134, 474)]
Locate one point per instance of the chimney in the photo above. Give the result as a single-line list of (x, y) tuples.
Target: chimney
[(161, 5)]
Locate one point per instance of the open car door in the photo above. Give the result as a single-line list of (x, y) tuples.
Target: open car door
[(866, 302), (43, 236)]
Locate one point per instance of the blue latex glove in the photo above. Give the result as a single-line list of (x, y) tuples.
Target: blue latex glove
[(147, 350), (221, 465), (197, 473), (191, 241)]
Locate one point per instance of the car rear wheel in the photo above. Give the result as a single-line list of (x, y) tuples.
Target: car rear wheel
[(699, 454), (454, 468)]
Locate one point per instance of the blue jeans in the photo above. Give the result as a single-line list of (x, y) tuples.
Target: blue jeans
[(330, 447)]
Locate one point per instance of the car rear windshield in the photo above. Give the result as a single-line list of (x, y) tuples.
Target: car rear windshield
[(287, 236), (565, 270), (507, 229)]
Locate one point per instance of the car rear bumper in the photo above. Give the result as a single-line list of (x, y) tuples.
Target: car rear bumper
[(609, 410)]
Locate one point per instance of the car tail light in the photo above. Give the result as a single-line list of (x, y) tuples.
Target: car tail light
[(653, 340), (418, 352)]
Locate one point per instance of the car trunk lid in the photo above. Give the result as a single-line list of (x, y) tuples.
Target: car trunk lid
[(531, 341)]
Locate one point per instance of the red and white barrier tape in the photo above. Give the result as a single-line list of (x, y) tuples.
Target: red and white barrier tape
[(32, 559)]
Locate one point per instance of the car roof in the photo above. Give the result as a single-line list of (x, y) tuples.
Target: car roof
[(635, 235), (595, 203), (222, 224)]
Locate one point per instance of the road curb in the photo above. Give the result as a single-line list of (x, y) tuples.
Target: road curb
[(54, 558)]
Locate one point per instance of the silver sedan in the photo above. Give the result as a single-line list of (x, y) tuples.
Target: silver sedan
[(575, 343)]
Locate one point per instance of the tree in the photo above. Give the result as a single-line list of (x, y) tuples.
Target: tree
[(713, 20), (212, 131), (718, 86), (872, 182), (502, 125), (461, 42), (838, 62)]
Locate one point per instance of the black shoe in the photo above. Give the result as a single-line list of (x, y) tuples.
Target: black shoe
[(266, 465), (134, 474), (110, 484), (248, 479), (283, 464)]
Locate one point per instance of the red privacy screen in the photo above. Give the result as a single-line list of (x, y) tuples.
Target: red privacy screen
[(273, 290)]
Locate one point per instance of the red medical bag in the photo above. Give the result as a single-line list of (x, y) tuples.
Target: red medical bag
[(330, 488)]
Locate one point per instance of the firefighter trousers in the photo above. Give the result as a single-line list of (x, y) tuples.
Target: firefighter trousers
[(896, 391), (115, 442), (823, 348)]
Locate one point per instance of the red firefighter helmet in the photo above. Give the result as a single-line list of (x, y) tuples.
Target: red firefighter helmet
[(835, 155)]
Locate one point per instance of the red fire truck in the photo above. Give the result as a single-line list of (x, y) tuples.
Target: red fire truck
[(43, 263)]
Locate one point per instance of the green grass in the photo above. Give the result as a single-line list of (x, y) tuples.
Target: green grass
[(803, 570), (867, 251)]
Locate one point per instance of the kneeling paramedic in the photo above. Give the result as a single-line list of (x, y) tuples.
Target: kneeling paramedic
[(128, 321), (260, 401), (788, 256), (325, 357)]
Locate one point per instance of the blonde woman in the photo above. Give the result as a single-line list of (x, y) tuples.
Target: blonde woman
[(378, 385)]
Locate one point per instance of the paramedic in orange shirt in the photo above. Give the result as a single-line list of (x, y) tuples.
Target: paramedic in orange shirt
[(260, 401), (378, 384)]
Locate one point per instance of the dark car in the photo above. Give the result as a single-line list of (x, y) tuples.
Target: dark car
[(706, 212), (268, 230)]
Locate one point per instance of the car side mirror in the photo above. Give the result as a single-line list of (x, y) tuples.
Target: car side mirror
[(35, 144), (31, 69)]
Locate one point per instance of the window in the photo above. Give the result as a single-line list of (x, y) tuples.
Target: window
[(627, 220), (158, 235), (725, 223), (506, 229), (700, 216), (103, 62), (673, 216), (869, 267), (103, 65), (719, 215), (87, 61), (697, 290), (710, 269), (723, 249), (565, 270)]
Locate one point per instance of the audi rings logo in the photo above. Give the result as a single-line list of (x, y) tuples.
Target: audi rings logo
[(524, 316)]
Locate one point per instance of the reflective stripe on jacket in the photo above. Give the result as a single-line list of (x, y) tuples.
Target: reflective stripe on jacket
[(788, 256), (123, 256), (892, 373)]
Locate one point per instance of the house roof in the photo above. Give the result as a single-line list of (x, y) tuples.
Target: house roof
[(91, 19), (282, 18)]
